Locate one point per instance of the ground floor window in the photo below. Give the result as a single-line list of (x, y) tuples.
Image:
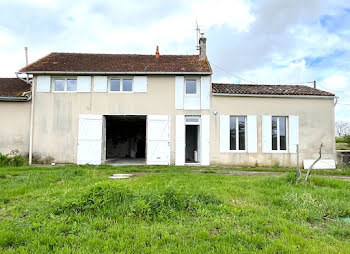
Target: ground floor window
[(237, 133), (279, 133)]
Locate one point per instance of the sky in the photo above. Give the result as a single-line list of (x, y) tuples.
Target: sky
[(257, 41)]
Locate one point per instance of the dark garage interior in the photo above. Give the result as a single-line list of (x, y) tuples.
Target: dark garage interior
[(125, 137)]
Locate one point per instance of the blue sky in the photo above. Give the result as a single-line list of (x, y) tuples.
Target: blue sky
[(263, 41)]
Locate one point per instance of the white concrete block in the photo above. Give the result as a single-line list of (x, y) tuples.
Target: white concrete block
[(321, 164)]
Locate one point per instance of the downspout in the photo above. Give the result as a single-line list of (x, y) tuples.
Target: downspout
[(31, 118)]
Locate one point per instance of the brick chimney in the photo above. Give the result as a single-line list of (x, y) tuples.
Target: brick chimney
[(157, 52), (202, 48)]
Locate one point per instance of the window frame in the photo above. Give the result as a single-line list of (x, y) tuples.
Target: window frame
[(237, 135), (279, 136), (198, 87), (121, 84), (65, 78)]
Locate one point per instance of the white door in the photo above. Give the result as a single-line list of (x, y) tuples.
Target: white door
[(158, 140), (90, 139)]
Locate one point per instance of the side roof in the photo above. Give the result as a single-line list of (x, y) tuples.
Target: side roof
[(118, 63), (13, 87), (268, 90)]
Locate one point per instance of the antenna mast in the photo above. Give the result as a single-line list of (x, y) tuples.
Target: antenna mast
[(198, 31)]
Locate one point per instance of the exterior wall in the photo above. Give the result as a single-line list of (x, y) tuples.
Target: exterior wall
[(56, 115), (316, 125), (14, 127)]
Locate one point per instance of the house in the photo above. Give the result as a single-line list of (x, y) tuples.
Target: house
[(163, 109)]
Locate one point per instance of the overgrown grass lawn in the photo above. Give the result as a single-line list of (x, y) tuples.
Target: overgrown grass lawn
[(75, 209)]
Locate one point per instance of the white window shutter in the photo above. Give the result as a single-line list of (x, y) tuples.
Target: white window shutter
[(179, 92), (266, 134), (293, 133), (100, 84), (180, 140), (224, 133), (252, 134), (205, 92), (43, 84), (205, 149), (140, 84), (83, 84)]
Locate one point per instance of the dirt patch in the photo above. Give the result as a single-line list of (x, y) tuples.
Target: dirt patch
[(238, 172), (345, 178)]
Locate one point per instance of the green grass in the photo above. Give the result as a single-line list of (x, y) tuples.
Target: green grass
[(68, 209)]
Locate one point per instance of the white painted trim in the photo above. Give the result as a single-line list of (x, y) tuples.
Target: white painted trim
[(43, 84), (205, 92), (140, 84), (205, 140), (266, 134), (293, 133), (179, 92), (83, 84), (100, 84), (252, 134), (224, 133), (180, 140), (275, 96)]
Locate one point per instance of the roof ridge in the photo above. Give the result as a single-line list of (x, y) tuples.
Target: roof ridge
[(114, 54)]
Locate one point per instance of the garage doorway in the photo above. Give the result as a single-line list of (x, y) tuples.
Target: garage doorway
[(192, 141), (125, 139)]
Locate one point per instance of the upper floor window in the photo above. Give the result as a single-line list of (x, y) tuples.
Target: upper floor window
[(238, 133), (191, 86), (279, 133), (65, 85), (121, 85)]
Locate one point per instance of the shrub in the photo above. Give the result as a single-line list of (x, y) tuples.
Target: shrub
[(346, 139), (12, 159)]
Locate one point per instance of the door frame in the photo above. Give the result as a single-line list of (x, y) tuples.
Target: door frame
[(199, 138)]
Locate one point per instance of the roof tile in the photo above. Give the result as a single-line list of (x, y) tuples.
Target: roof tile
[(242, 89), (80, 62), (13, 87)]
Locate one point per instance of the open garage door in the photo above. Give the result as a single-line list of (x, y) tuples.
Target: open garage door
[(158, 140), (90, 139)]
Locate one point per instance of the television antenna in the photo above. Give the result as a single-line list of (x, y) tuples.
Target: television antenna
[(198, 33)]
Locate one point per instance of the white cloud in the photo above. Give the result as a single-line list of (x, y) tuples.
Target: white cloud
[(267, 41)]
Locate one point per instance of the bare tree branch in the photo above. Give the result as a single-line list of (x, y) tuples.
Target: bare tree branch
[(342, 128), (313, 164)]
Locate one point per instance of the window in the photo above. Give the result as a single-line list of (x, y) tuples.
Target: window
[(115, 85), (191, 86), (237, 133), (120, 85), (65, 85), (279, 133)]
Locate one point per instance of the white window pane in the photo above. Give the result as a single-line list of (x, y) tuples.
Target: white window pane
[(71, 85), (191, 87), (127, 84), (115, 85), (59, 84)]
